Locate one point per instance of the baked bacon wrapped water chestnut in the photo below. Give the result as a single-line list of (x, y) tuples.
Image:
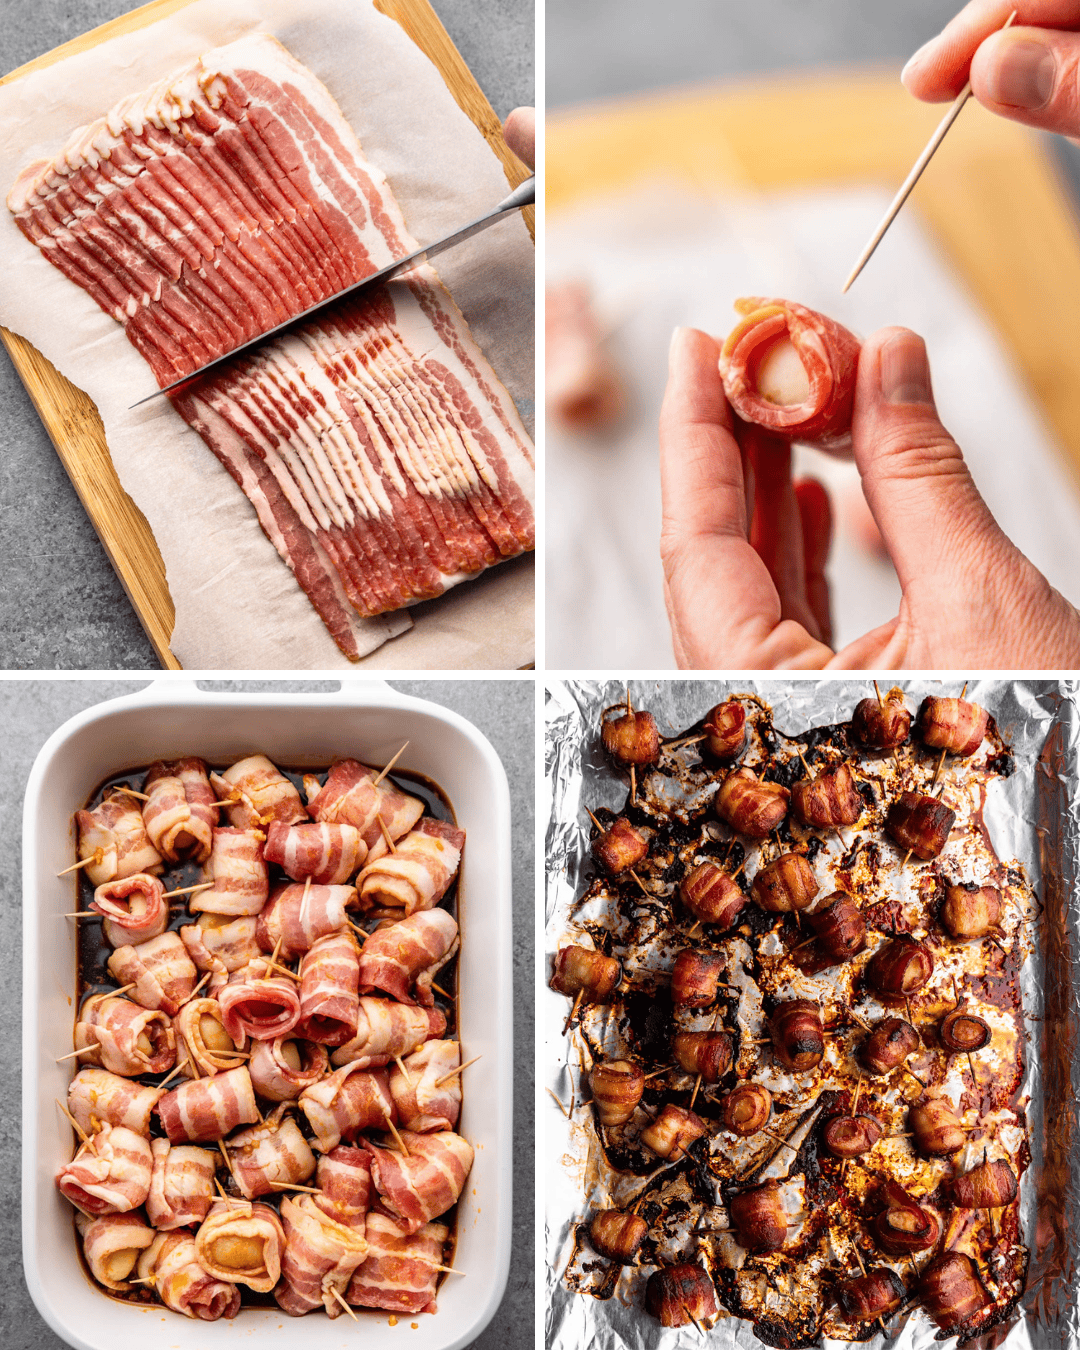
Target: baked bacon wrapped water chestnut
[(630, 738), (970, 911), (952, 724), (695, 978), (919, 824), (881, 725), (711, 895), (798, 1037), (963, 1033), (616, 1087), (839, 927), (678, 1296), (672, 1132), (888, 1046), (867, 1297), (988, 1186), (935, 1127), (785, 885), (580, 970), (758, 1217), (750, 805), (746, 1109), (951, 1291), (851, 1136), (620, 847), (828, 801), (905, 1226), (725, 731), (899, 967), (616, 1235), (707, 1053)]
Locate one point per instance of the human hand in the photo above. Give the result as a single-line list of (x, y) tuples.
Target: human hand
[(744, 548), (1029, 73), (519, 130)]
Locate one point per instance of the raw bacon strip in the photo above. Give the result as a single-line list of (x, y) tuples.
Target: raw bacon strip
[(204, 1040), (816, 405), (269, 1156), (180, 1281), (425, 1184), (256, 1006), (130, 1039), (401, 1269), (344, 1177), (583, 389), (110, 1174), (161, 970), (398, 812), (96, 1096), (133, 908), (182, 1184), (240, 876), (208, 1108), (419, 873), (346, 1102), (329, 976), (222, 942), (423, 1105), (385, 1028), (282, 1068), (111, 1245), (116, 827), (320, 1257), (300, 915), (402, 953), (328, 854), (260, 794), (182, 810), (241, 1246)]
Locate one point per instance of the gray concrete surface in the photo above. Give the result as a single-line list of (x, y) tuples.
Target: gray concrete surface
[(30, 710), (61, 605)]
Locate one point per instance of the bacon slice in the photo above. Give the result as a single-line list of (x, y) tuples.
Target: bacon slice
[(208, 1108), (257, 793), (344, 1177), (161, 971), (110, 1174), (401, 1269), (181, 1185), (406, 954), (182, 811), (240, 876), (398, 812), (116, 827), (111, 1245), (204, 1040), (180, 1281), (827, 352), (329, 976), (95, 1096), (385, 1028), (351, 796), (423, 1105), (241, 1245), (346, 1102), (299, 916), (133, 908), (222, 942), (282, 1068), (328, 854), (130, 1039), (257, 1005), (583, 388), (425, 1184), (269, 1156), (418, 874), (320, 1257)]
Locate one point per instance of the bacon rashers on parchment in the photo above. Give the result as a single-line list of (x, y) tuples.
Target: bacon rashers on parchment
[(383, 458)]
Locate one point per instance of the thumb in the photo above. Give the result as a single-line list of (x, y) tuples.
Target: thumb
[(936, 526), (1031, 75)]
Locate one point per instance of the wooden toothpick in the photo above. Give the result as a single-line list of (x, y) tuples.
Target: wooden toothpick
[(442, 991), (75, 1124), (385, 833), (383, 772), (404, 1071), (95, 860), (85, 1050), (454, 1072), (337, 1294), (573, 1011), (130, 792), (397, 1137), (190, 890)]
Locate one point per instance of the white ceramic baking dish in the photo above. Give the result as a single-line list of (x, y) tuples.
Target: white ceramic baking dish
[(366, 720)]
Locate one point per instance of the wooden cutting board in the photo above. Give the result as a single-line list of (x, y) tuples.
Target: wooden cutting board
[(993, 196), (69, 415)]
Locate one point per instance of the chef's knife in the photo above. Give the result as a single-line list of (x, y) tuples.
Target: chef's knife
[(523, 195)]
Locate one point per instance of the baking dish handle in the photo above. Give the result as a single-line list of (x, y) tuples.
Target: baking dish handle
[(185, 689)]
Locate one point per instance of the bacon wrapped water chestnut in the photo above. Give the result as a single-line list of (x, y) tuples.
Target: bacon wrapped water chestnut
[(328, 854), (110, 1174), (253, 793), (114, 831), (616, 1235), (425, 1089), (680, 1295), (888, 1046), (134, 909), (581, 970), (935, 1127), (161, 970), (630, 737), (620, 847), (418, 873), (401, 1269), (242, 1244), (787, 884), (988, 1186), (182, 811), (881, 726), (905, 1226), (95, 1095), (181, 1185), (111, 1245), (207, 1109), (346, 1102), (963, 1033), (839, 927), (707, 1053), (423, 1184), (695, 978), (222, 942), (725, 731), (202, 1039), (672, 1132), (919, 824), (747, 1109), (711, 895), (239, 874), (952, 724), (269, 1156), (758, 1217), (798, 1037), (829, 801), (950, 1290), (899, 967), (282, 1068), (616, 1086), (319, 1258), (171, 1266), (867, 1297), (123, 1037), (407, 953), (851, 1136), (750, 805), (385, 1028), (970, 911)]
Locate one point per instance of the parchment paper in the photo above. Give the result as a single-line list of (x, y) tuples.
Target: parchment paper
[(237, 604)]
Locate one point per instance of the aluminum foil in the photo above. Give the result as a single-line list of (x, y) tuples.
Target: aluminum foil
[(1030, 820)]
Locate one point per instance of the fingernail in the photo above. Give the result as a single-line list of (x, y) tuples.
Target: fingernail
[(903, 370), (914, 61), (1021, 74), (677, 339)]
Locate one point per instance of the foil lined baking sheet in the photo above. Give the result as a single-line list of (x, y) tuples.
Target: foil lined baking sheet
[(1030, 820)]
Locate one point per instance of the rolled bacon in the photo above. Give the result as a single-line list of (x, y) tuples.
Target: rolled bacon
[(110, 1174), (884, 725), (423, 1103), (203, 1038), (899, 967), (970, 911), (328, 854), (320, 1256), (111, 1245), (130, 1040), (616, 1087), (707, 1053), (920, 824), (270, 1155), (172, 1265), (620, 847), (725, 731), (888, 1045), (617, 1236), (299, 915), (343, 1177), (405, 956), (798, 1037), (747, 1109), (711, 895), (282, 1068), (385, 1028), (133, 908), (95, 1095), (351, 795), (904, 1226), (239, 873), (222, 942), (792, 371), (851, 1136), (630, 737), (839, 927), (181, 1185), (206, 1109), (672, 1132), (257, 1004), (935, 1128), (401, 1269), (329, 977), (829, 801), (242, 1245), (257, 793), (345, 1102), (749, 805), (876, 1294), (950, 1290), (758, 1217), (182, 811), (116, 827), (582, 970), (161, 970), (679, 1295), (418, 873), (952, 724), (695, 978), (423, 1185), (785, 885), (963, 1033), (991, 1185)]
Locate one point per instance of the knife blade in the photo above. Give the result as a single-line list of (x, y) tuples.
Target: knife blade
[(523, 195)]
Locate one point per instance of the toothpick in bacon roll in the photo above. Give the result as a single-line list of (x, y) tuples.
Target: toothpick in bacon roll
[(95, 1095), (425, 1184), (161, 971), (269, 1155), (253, 793), (257, 1004), (110, 1174), (935, 1127), (787, 884), (630, 737), (350, 794), (672, 1132), (345, 1102), (400, 1271), (616, 1086), (385, 1028), (242, 1244), (422, 1103), (329, 978), (884, 725), (181, 1283), (725, 731), (899, 967), (115, 826), (616, 1235), (904, 1226), (920, 824), (320, 1257), (839, 927), (239, 873), (888, 1045), (282, 1068), (111, 1245), (222, 942), (988, 1186), (134, 909), (952, 724), (328, 854), (620, 847), (418, 874), (970, 911), (950, 1290), (747, 1109), (695, 978), (750, 805), (343, 1177), (299, 915), (798, 1038), (707, 1053), (204, 1040), (829, 801), (792, 371), (758, 1216), (851, 1136), (580, 970), (182, 811), (711, 895), (130, 1040), (876, 1294), (403, 958), (679, 1295), (182, 1184), (207, 1109)]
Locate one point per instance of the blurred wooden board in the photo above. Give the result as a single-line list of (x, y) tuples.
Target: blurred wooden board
[(993, 196), (69, 415)]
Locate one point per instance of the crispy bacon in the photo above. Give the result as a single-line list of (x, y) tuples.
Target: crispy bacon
[(904, 1226), (876, 1294), (408, 954), (282, 1068), (617, 1236), (133, 908), (797, 1035), (95, 1095), (950, 1290), (343, 1177), (420, 1187), (300, 915), (257, 1004), (180, 1281), (707, 1053), (620, 847), (182, 811), (616, 1087), (328, 854), (758, 1217), (329, 976), (839, 927), (695, 978), (257, 793), (882, 726), (385, 1028), (747, 1109), (725, 731), (679, 1295), (935, 1128), (239, 873), (400, 1271), (630, 737), (222, 942), (970, 911), (899, 967), (786, 884), (581, 970), (829, 801), (270, 1155), (963, 1033), (988, 1186), (952, 724), (422, 1104), (851, 1136), (110, 1174), (920, 824), (345, 1102), (203, 1038), (182, 1184), (206, 1109), (320, 1256), (242, 1245), (418, 874), (116, 827), (111, 1245), (161, 971), (711, 895), (672, 1132), (130, 1040), (750, 806), (888, 1045)]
